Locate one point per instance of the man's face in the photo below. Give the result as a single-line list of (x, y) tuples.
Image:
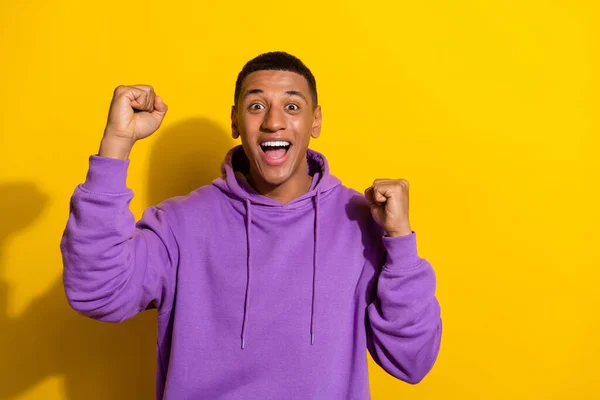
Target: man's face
[(275, 118)]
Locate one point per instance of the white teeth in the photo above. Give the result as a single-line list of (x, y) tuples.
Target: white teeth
[(275, 144)]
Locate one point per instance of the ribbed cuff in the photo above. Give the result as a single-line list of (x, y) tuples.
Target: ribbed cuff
[(106, 175), (401, 252)]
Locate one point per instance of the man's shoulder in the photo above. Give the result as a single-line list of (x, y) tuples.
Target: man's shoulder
[(358, 209), (200, 198), (355, 204), (346, 195)]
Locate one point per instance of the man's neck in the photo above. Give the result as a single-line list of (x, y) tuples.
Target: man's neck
[(294, 187)]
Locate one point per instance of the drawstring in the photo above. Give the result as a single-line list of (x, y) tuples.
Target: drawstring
[(248, 266), (314, 282)]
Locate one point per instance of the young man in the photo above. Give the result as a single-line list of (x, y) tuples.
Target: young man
[(270, 283)]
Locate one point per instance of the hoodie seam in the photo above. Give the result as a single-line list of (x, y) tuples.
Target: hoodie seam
[(169, 225), (279, 208), (83, 188)]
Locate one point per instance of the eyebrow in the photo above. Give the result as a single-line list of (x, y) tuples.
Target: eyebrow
[(288, 92), (253, 91), (296, 93)]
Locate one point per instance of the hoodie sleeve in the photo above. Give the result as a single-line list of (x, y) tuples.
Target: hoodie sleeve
[(113, 267), (403, 323)]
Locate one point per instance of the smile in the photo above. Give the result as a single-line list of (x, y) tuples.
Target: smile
[(275, 152)]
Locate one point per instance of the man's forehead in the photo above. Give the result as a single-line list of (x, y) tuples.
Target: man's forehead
[(275, 80)]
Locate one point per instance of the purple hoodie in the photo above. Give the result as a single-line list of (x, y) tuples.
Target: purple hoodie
[(256, 299)]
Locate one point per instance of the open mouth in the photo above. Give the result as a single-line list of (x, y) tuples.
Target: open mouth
[(275, 150)]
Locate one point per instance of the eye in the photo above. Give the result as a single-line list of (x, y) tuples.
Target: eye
[(292, 107), (256, 107)]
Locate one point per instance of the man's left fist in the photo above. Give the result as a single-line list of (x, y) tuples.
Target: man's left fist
[(389, 205)]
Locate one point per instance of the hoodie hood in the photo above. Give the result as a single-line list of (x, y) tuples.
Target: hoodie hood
[(233, 181), (236, 167)]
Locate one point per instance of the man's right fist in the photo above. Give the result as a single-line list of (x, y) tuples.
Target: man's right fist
[(136, 112)]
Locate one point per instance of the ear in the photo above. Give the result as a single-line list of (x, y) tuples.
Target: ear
[(235, 133), (316, 126)]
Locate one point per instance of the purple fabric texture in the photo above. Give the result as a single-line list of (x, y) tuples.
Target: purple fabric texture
[(256, 299)]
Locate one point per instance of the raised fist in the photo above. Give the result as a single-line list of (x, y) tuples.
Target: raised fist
[(136, 112)]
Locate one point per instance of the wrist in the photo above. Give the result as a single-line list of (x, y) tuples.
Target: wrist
[(401, 231), (115, 147)]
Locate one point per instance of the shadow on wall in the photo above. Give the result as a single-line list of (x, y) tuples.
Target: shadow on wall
[(98, 360), (185, 157)]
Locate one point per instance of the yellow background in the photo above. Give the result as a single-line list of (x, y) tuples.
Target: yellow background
[(489, 108)]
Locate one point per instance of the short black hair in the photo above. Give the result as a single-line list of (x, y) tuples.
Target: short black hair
[(277, 61)]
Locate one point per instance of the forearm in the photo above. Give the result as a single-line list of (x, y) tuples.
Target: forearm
[(105, 255), (404, 319)]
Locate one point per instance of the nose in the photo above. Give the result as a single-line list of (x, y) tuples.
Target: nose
[(274, 120)]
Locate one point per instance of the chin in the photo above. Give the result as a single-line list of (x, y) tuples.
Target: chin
[(275, 178)]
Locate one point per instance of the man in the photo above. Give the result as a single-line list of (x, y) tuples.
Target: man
[(270, 283)]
